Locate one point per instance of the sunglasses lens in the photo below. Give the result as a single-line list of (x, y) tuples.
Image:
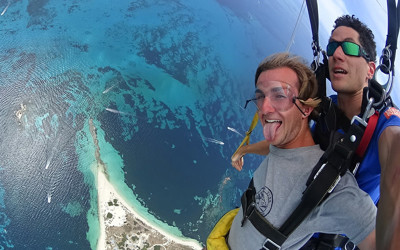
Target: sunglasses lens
[(331, 48), (351, 49)]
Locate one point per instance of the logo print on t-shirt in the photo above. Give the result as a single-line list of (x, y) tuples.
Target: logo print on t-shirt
[(392, 111), (264, 200)]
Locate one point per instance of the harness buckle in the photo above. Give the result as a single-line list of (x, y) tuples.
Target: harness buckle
[(249, 211), (366, 114), (271, 243), (350, 245), (315, 64)]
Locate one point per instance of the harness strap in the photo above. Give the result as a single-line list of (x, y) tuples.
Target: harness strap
[(312, 8), (322, 73), (320, 69), (326, 178), (393, 30), (369, 131), (274, 238)]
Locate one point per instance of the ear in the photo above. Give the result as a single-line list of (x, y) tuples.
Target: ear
[(371, 70), (307, 109)]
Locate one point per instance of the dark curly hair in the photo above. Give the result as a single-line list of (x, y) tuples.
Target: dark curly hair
[(366, 35)]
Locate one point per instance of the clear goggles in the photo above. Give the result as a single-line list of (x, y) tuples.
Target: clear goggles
[(280, 96)]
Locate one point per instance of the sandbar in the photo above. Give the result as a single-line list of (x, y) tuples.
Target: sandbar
[(121, 226)]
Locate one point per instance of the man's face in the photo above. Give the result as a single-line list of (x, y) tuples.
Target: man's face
[(348, 74), (280, 128)]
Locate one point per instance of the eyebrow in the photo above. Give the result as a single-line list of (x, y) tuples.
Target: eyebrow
[(345, 40), (274, 89), (258, 91)]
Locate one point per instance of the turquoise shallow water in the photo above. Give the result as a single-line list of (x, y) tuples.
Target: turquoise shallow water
[(162, 80)]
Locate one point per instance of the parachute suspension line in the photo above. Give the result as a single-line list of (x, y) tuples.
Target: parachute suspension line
[(377, 1), (295, 27)]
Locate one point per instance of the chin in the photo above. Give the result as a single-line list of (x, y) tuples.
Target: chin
[(337, 87)]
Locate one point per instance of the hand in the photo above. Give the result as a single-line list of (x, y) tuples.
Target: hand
[(260, 148), (237, 159)]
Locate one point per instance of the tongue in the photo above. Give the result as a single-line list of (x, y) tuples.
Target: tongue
[(270, 129)]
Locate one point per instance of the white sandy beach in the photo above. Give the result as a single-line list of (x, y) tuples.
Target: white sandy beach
[(107, 193)]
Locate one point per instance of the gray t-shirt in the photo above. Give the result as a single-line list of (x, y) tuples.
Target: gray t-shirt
[(280, 181)]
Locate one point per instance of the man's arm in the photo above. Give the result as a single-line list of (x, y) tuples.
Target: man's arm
[(368, 243), (388, 217), (260, 148)]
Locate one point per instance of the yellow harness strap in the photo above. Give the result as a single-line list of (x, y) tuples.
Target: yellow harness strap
[(248, 133), (216, 239)]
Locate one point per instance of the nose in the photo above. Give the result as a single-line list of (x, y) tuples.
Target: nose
[(266, 106), (338, 54)]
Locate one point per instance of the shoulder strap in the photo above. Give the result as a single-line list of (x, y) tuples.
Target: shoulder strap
[(373, 120)]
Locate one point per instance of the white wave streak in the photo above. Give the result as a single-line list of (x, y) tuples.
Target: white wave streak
[(234, 130), (48, 163), (5, 9), (214, 141), (116, 111), (108, 89), (50, 158)]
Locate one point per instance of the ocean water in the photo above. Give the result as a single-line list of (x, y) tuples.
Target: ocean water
[(161, 79)]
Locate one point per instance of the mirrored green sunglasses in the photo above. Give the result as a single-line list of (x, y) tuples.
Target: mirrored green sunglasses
[(349, 48)]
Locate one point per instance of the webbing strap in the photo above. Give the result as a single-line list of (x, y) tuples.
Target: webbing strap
[(322, 73), (393, 31), (320, 69), (369, 131), (312, 8), (274, 237), (248, 133), (326, 179)]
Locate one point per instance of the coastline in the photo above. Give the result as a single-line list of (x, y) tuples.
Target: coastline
[(123, 227), (122, 214)]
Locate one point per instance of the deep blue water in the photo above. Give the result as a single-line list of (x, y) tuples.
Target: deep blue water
[(177, 71)]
